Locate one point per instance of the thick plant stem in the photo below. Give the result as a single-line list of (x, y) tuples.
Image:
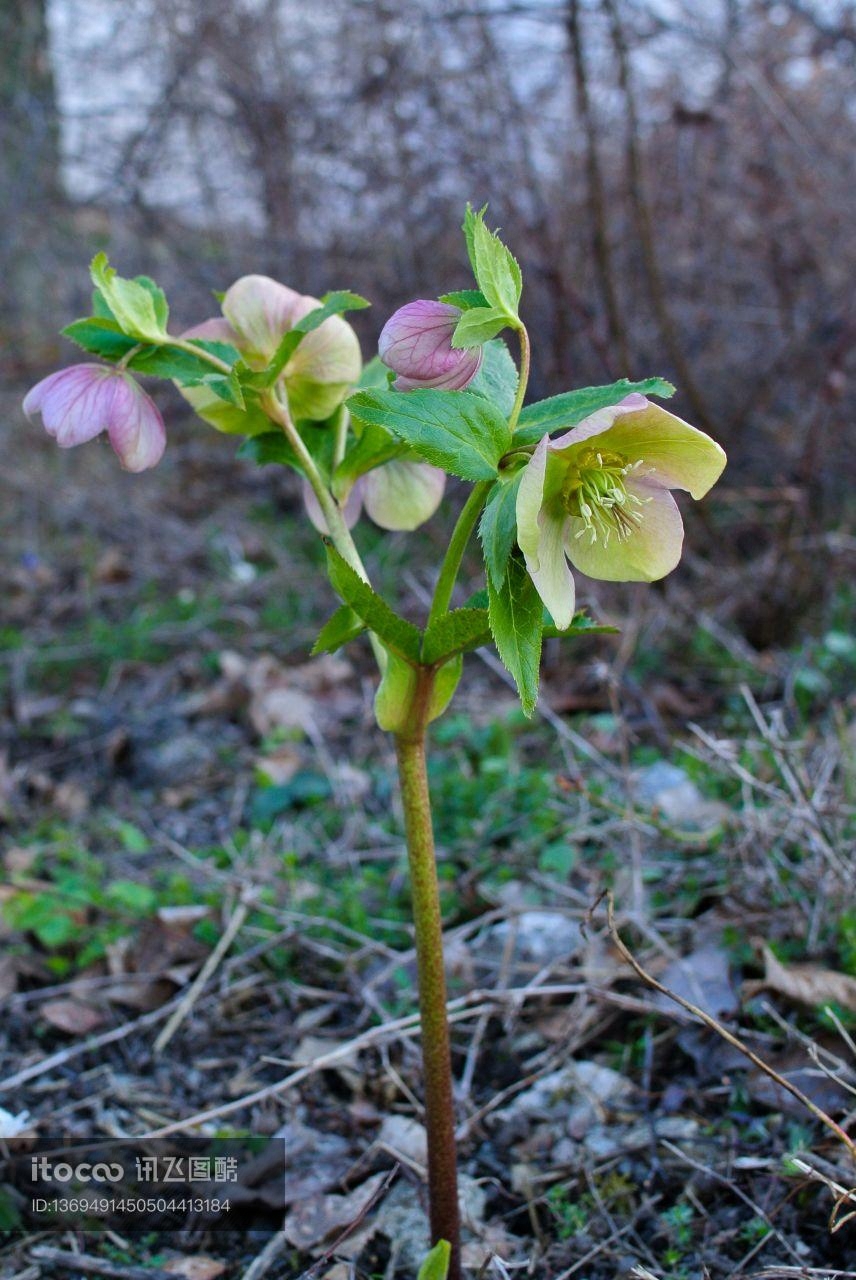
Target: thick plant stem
[(436, 1058)]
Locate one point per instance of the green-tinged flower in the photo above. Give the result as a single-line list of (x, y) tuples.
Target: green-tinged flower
[(399, 495), (258, 313), (599, 497)]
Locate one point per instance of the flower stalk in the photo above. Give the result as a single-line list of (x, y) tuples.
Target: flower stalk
[(436, 1051)]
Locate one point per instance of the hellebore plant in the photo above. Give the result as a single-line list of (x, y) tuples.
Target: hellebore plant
[(583, 477)]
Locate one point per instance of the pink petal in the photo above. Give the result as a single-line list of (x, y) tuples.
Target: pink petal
[(75, 403), (416, 343), (136, 429), (215, 329)]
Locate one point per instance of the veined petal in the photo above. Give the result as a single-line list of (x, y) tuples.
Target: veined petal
[(671, 452), (402, 494), (649, 551), (351, 510), (75, 403), (416, 343), (136, 429)]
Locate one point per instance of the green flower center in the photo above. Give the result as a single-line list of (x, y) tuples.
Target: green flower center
[(595, 491)]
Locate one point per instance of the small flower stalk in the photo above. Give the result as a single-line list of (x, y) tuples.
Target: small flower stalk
[(581, 482)]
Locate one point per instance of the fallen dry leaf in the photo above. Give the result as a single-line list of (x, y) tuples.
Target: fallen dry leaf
[(314, 1221), (804, 983), (71, 1016)]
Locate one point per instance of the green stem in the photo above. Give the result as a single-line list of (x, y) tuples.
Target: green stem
[(436, 1054), (523, 379), (467, 521), (468, 518), (184, 344)]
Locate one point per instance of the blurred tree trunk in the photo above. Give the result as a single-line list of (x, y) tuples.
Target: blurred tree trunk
[(30, 189)]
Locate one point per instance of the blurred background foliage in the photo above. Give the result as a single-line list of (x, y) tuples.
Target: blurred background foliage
[(677, 178)]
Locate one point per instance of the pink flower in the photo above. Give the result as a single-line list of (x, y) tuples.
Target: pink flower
[(80, 402), (416, 343)]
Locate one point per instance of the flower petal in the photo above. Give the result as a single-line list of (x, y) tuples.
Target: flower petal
[(672, 452), (215, 329), (403, 495), (540, 536), (261, 310), (136, 429), (416, 343), (650, 551), (351, 510), (75, 403)]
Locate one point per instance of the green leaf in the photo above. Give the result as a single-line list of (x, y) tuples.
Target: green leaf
[(269, 447), (374, 447), (222, 350), (139, 308), (158, 298), (457, 632), (565, 411), (100, 336), (374, 374), (464, 434), (445, 683), (436, 1263), (496, 380), (400, 637), (332, 304), (498, 527), (394, 694), (100, 307), (516, 620), (338, 630), (496, 271), (478, 326), (464, 299)]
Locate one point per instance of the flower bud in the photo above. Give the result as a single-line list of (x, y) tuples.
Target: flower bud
[(416, 343), (80, 402)]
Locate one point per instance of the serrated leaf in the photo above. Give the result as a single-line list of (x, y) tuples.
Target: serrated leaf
[(462, 433), (133, 305), (454, 633), (332, 304), (478, 326), (496, 271), (516, 619), (496, 380), (342, 627), (374, 447), (100, 306), (178, 366), (464, 299), (498, 527), (435, 1265), (564, 411), (100, 336), (401, 637), (225, 386)]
